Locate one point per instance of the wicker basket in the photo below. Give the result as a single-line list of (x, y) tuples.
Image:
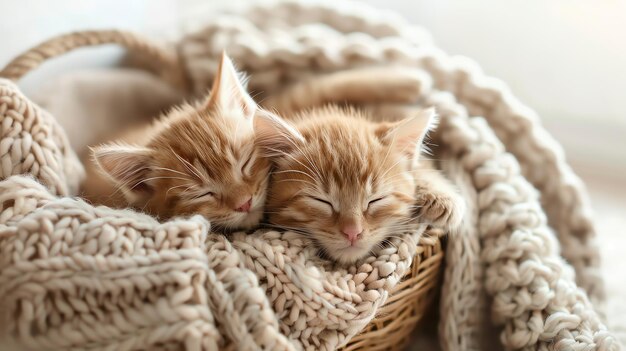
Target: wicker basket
[(407, 303)]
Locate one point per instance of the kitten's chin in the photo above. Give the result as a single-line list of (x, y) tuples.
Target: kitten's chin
[(243, 221), (348, 255)]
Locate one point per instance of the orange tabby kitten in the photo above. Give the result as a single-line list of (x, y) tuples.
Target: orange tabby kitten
[(349, 183), (196, 160)]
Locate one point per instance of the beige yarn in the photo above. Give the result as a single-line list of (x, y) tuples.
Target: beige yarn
[(168, 285), (308, 47), (31, 142), (172, 284)]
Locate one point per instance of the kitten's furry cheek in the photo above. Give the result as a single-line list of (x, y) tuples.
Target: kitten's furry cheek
[(295, 215), (250, 221), (138, 198)]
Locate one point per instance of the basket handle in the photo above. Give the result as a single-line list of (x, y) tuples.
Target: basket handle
[(161, 61)]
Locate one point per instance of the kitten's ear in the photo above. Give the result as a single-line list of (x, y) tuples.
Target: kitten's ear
[(229, 94), (408, 135), (128, 166), (274, 135)]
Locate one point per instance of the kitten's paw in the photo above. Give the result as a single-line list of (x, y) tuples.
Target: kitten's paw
[(441, 210)]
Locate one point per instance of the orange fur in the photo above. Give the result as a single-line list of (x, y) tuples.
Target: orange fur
[(338, 171), (341, 144), (196, 160)]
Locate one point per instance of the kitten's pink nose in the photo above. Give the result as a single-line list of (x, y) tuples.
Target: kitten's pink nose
[(352, 232), (244, 207)]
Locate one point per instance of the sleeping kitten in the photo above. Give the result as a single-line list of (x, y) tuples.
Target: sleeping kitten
[(195, 160), (349, 183)]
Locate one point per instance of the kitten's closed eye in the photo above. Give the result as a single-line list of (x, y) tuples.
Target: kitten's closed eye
[(205, 194), (325, 202), (376, 200)]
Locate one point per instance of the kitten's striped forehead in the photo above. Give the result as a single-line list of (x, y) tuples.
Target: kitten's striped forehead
[(213, 145), (349, 157)]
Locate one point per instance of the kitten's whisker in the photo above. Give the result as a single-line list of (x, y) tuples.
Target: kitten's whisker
[(394, 182), (187, 189), (191, 168), (292, 228), (170, 170), (296, 180), (155, 178), (405, 240), (402, 223), (198, 166), (254, 97), (388, 151), (289, 228), (391, 167), (311, 163), (175, 187), (392, 232), (399, 228), (295, 171), (124, 185), (400, 175), (280, 152), (385, 243)]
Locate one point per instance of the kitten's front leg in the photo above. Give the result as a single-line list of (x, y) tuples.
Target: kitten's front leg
[(438, 201)]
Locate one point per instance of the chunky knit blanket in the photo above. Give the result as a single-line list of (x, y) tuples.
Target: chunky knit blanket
[(74, 276)]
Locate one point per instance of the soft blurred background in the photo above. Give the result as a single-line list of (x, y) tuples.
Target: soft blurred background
[(564, 58)]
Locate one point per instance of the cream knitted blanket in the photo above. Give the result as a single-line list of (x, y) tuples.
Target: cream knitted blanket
[(79, 277)]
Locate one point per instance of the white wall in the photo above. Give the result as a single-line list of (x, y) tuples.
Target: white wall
[(563, 57)]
